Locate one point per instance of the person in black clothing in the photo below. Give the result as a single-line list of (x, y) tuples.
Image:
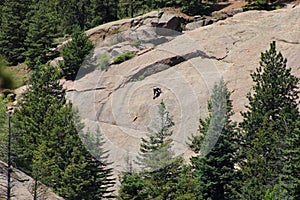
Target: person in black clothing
[(156, 92)]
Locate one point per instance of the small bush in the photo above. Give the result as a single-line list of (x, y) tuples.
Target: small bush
[(136, 43), (6, 78), (123, 57), (104, 61)]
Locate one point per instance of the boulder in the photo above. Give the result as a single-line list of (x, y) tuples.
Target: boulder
[(194, 25), (170, 21)]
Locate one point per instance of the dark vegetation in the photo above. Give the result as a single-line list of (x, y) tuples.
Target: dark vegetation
[(256, 159), (123, 57)]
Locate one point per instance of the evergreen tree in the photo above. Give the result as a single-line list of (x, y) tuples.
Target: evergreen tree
[(98, 164), (41, 31), (159, 177), (129, 8), (13, 29), (6, 79), (43, 94), (161, 169), (155, 152), (97, 16), (268, 124), (132, 187), (111, 10), (214, 167), (291, 174), (187, 186), (194, 7), (47, 138), (74, 53), (80, 13)]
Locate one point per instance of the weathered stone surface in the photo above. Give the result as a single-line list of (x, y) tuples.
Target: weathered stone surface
[(216, 16), (170, 21), (220, 15), (194, 25), (100, 33), (23, 186), (186, 67)]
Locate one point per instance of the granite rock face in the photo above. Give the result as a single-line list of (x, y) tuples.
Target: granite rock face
[(118, 100), (22, 186)]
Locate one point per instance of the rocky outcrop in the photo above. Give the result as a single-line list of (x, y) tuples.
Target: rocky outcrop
[(215, 16), (163, 20), (119, 100), (22, 186)]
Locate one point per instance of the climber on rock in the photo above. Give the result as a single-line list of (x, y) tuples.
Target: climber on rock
[(156, 92)]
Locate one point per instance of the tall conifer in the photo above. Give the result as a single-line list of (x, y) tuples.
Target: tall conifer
[(214, 166), (268, 124)]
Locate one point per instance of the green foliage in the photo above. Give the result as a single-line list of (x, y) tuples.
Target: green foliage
[(155, 152), (214, 167), (159, 179), (13, 29), (48, 146), (187, 186), (132, 186), (6, 79), (136, 43), (129, 8), (194, 7), (268, 124), (41, 33), (262, 5), (43, 96), (277, 193), (123, 57), (3, 130), (74, 53), (104, 61), (291, 172), (104, 183), (19, 74)]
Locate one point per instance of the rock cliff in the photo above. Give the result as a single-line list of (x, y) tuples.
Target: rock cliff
[(118, 98)]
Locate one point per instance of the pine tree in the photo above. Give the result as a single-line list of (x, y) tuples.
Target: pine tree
[(194, 7), (111, 10), (155, 152), (101, 186), (43, 94), (291, 173), (214, 166), (42, 30), (47, 138), (187, 186), (13, 29), (161, 168), (132, 187), (268, 124), (77, 13), (6, 79), (131, 7), (74, 53)]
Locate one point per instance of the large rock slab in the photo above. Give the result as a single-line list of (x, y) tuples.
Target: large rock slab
[(22, 186), (185, 66)]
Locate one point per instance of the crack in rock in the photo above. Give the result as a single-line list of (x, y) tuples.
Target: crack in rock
[(86, 90)]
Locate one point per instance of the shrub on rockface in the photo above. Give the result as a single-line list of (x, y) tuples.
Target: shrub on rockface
[(74, 53), (123, 57)]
